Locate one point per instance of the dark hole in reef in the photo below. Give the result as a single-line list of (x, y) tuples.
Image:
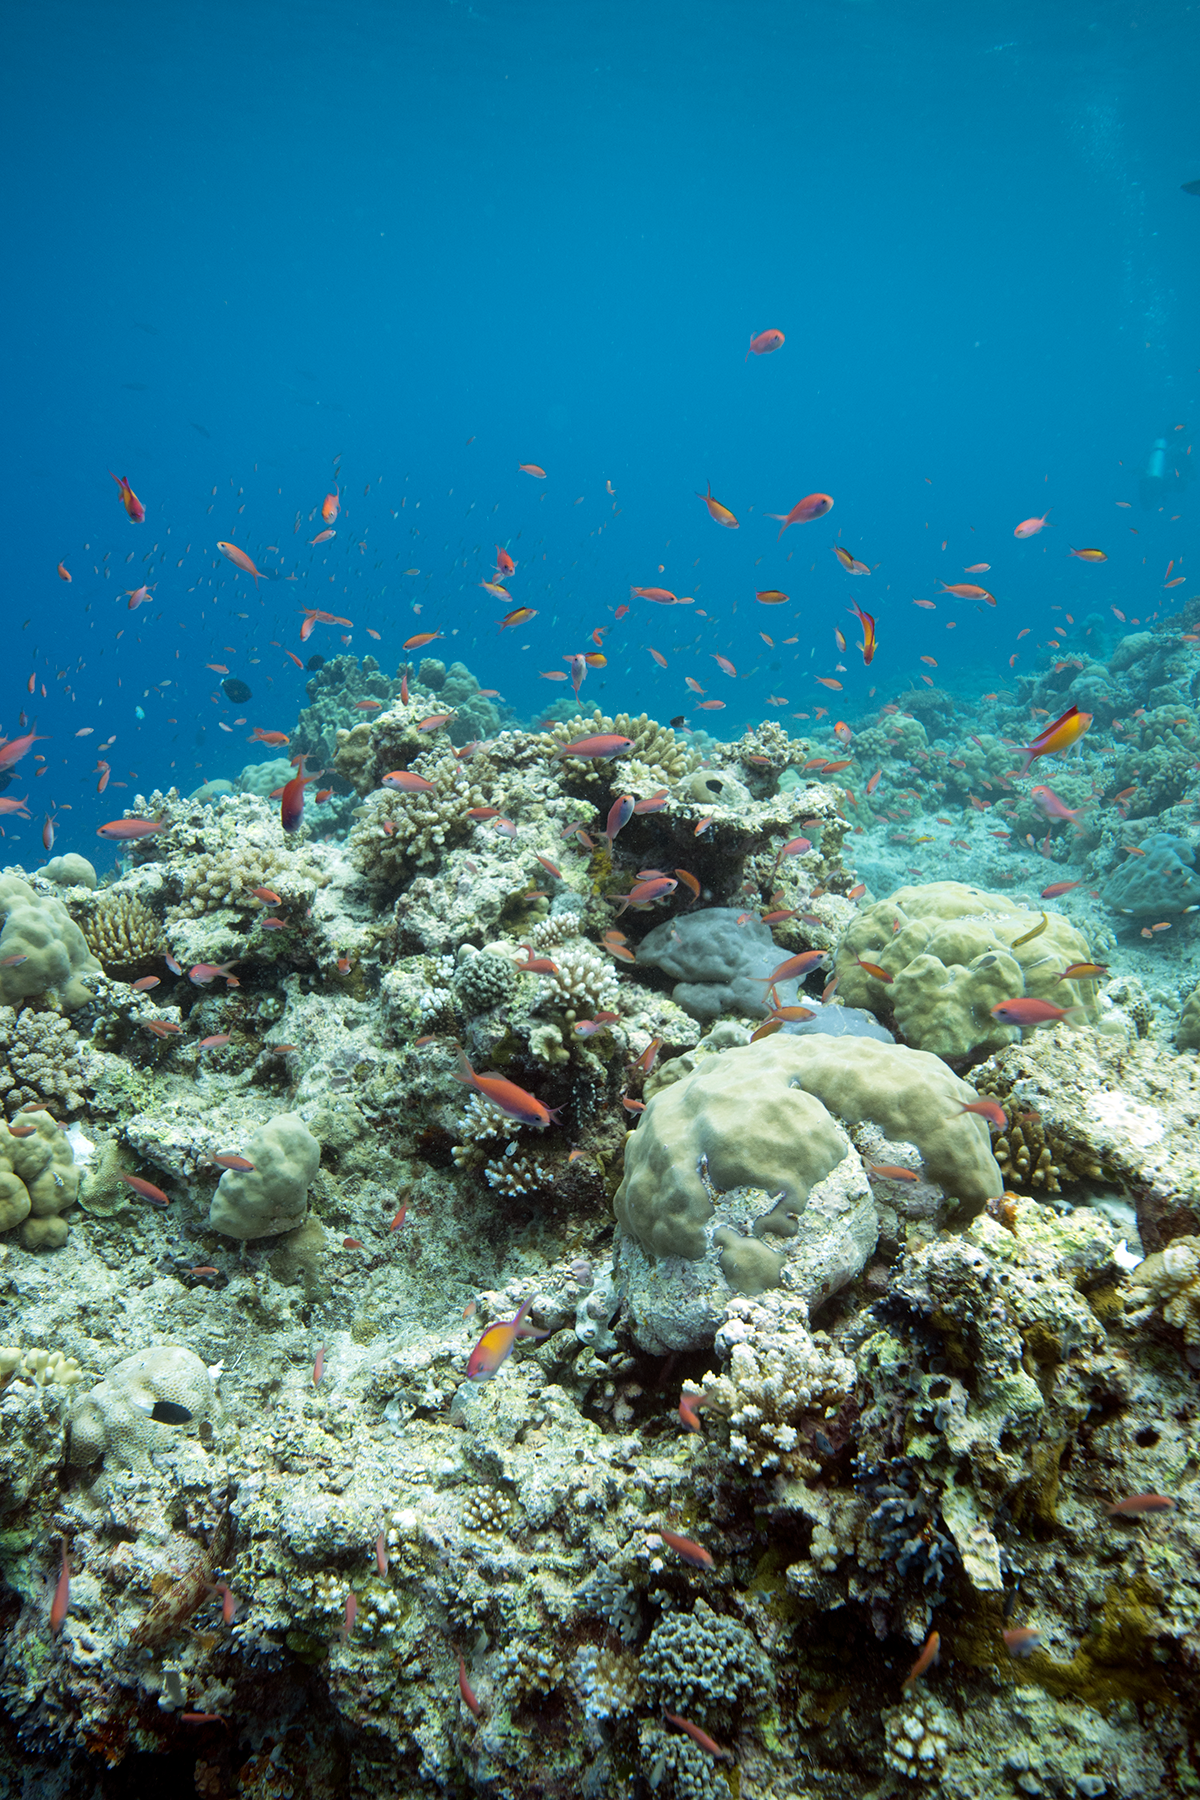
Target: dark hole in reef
[(1147, 1437)]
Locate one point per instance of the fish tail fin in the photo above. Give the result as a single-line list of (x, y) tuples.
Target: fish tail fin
[(465, 1073)]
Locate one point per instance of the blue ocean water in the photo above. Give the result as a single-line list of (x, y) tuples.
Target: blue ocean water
[(260, 251)]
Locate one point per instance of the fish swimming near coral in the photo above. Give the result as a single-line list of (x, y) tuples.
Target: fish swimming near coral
[(495, 1346)]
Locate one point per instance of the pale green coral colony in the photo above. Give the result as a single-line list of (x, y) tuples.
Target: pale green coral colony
[(848, 1334)]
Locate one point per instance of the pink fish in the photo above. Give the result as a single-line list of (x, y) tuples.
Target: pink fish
[(655, 803), (1030, 527), (601, 748), (578, 667), (646, 892), (813, 506), (495, 1346), (795, 967), (1026, 1011), (123, 831), (407, 783), (319, 1367), (1136, 1506), (351, 1615), (11, 753), (239, 559), (136, 597), (202, 973), (506, 1096), (1051, 805), (691, 1552), (62, 1595), (619, 815), (764, 343), (466, 1690)]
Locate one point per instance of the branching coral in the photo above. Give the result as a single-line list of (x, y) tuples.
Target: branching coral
[(656, 757), (39, 1063), (705, 1666), (782, 1386), (396, 833), (123, 933)]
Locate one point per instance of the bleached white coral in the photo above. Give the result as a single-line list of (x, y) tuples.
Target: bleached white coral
[(516, 1171), (582, 981), (781, 1384)]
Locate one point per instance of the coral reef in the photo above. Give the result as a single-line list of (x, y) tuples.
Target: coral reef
[(43, 954), (270, 1195), (40, 1064), (123, 934)]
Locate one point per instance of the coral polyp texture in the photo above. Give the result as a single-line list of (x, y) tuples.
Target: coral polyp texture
[(472, 1328)]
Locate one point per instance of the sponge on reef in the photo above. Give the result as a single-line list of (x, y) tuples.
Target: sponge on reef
[(273, 1195), (53, 947), (955, 954)]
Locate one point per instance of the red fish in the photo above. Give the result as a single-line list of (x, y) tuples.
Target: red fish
[(646, 892), (655, 803), (274, 738), (699, 1736), (1030, 527), (723, 663), (506, 1096), (764, 343), (123, 831), (129, 499), (201, 974), (136, 597), (813, 506), (795, 968), (62, 1590), (1052, 806), (291, 801), (229, 1159), (928, 1656), (1026, 1011), (691, 1552), (600, 748), (1135, 1506), (495, 1346), (11, 753), (146, 1189), (720, 513), (989, 1110), (422, 637), (330, 506), (216, 1042), (467, 1691), (505, 565), (64, 572), (238, 558), (533, 469)]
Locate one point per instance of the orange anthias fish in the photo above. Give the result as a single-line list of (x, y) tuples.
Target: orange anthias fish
[(1055, 738), (129, 499), (495, 1346), (661, 596), (531, 469), (928, 1656), (64, 572), (868, 624), (238, 558), (764, 343), (422, 637), (506, 1096), (505, 565), (291, 801), (1031, 527), (720, 513), (813, 506), (330, 506)]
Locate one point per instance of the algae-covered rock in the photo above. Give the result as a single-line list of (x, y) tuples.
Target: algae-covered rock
[(957, 953), (273, 1195)]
